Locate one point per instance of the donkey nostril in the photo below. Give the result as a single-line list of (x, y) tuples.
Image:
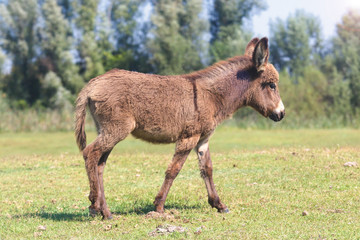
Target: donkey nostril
[(277, 116)]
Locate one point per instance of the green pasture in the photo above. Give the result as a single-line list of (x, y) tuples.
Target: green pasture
[(278, 184)]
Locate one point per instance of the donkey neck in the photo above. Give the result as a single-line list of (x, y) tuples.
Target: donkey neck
[(226, 84)]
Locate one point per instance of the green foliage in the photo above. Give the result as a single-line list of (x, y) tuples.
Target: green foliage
[(67, 8), (86, 12), (4, 105), (320, 83), (129, 35), (309, 93), (230, 42), (104, 32), (178, 36), (347, 53), (92, 56), (232, 14), (229, 36), (2, 61), (90, 53), (304, 100), (296, 42), (55, 94), (122, 60), (25, 119), (123, 17), (17, 29), (56, 45), (338, 93)]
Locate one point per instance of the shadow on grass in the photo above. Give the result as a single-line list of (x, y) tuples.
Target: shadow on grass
[(146, 208), (56, 216), (120, 210), (65, 216)]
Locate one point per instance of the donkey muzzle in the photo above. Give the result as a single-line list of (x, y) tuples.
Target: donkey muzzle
[(278, 113), (277, 116)]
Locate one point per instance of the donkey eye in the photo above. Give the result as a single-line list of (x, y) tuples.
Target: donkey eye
[(272, 86)]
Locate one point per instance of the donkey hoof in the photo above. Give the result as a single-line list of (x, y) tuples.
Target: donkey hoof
[(226, 210), (110, 217), (93, 212), (159, 209)]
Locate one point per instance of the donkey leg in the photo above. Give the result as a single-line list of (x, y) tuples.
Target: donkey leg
[(92, 155), (206, 169), (95, 155), (182, 150), (103, 206)]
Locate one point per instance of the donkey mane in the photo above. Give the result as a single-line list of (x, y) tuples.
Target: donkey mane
[(221, 69)]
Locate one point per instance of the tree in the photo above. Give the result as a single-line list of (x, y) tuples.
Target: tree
[(337, 95), (229, 36), (123, 17), (178, 36), (86, 14), (67, 8), (229, 44), (230, 14), (347, 53), (57, 59), (129, 36), (90, 53), (296, 42), (18, 20), (104, 32), (2, 62)]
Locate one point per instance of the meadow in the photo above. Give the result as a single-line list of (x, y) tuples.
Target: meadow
[(278, 184)]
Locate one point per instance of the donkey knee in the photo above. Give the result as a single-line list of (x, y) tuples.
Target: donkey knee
[(86, 152), (89, 149)]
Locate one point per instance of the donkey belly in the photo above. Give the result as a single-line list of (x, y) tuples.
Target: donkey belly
[(164, 119), (166, 128), (155, 135)]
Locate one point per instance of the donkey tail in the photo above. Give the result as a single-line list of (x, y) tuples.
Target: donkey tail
[(80, 113)]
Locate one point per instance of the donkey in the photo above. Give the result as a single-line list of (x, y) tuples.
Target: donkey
[(182, 109)]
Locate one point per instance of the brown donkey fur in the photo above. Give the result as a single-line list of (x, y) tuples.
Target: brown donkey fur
[(182, 109)]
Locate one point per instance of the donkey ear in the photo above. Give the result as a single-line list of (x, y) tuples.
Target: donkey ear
[(261, 54), (250, 47)]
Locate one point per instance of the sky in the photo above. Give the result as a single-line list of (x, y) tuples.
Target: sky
[(329, 12)]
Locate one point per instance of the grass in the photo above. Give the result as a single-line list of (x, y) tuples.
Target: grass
[(266, 178)]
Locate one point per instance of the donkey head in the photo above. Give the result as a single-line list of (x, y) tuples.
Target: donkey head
[(264, 94)]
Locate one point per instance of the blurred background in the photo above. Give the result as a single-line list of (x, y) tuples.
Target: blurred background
[(50, 48)]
